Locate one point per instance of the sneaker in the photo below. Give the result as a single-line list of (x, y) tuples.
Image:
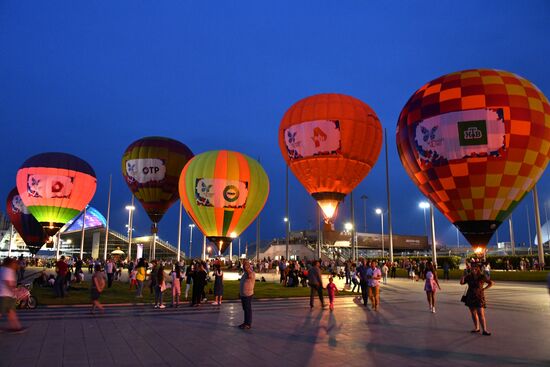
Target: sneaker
[(21, 330), (433, 309), (162, 306), (156, 306)]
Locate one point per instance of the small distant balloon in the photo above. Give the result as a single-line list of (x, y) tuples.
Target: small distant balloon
[(475, 142), (25, 224)]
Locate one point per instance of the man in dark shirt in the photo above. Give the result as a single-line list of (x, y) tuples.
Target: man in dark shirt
[(315, 283), (362, 272)]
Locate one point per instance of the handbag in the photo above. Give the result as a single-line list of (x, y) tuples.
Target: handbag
[(463, 298), (163, 286)]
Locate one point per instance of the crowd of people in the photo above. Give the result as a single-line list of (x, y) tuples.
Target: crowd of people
[(189, 281)]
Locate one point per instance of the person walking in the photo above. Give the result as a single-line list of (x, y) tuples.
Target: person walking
[(22, 263), (176, 276), (374, 275), (315, 284), (475, 297), (141, 274), (331, 290), (446, 268), (218, 285), (393, 270), (98, 285), (8, 283), (355, 281), (246, 292), (431, 284)]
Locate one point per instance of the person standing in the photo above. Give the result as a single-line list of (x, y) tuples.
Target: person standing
[(347, 272), (363, 280), (110, 270), (188, 279), (141, 273), (331, 290), (315, 284), (446, 268), (199, 282), (374, 275), (160, 285), (22, 266), (176, 276), (61, 268), (246, 292), (475, 297), (98, 285), (385, 270), (8, 283), (393, 270), (431, 284), (218, 284)]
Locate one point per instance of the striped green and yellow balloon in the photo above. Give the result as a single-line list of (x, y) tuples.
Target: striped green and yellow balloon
[(223, 192)]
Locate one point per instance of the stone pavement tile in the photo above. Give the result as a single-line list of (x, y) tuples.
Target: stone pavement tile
[(20, 362)]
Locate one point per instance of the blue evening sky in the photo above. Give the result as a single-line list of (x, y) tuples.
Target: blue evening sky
[(90, 77)]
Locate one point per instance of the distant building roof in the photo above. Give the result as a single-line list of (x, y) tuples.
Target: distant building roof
[(93, 219)]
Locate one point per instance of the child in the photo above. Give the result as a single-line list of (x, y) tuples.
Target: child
[(133, 278), (98, 284), (331, 290)]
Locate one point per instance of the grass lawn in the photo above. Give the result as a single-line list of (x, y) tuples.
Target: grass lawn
[(119, 293)]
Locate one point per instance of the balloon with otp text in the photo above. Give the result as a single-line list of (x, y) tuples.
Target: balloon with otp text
[(330, 142), (223, 192), (475, 142), (151, 167), (55, 187)]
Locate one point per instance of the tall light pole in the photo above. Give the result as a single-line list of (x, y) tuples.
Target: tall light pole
[(434, 249), (364, 198), (512, 238), (233, 235), (179, 232), (540, 240), (348, 227), (381, 214), (130, 209), (424, 205), (287, 236), (191, 226), (353, 230), (529, 228), (108, 217), (83, 232)]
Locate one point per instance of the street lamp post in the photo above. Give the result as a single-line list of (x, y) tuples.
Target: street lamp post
[(424, 205), (348, 227), (287, 237), (381, 214), (191, 226), (130, 209)]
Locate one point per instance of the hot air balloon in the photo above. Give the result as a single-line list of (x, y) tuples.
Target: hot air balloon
[(25, 224), (475, 142), (151, 167), (330, 142), (223, 192), (55, 187)]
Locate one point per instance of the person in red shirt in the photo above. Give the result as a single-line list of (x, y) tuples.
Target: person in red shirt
[(331, 290), (61, 269)]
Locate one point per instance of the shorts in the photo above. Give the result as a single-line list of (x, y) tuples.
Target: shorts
[(374, 291), (94, 295), (6, 304)]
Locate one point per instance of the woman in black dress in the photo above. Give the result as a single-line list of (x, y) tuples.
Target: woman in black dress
[(475, 297), (218, 284), (199, 282)]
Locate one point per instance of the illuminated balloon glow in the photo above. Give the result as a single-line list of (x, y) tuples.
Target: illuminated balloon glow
[(25, 224), (151, 167), (475, 142), (223, 192), (55, 187), (330, 142)]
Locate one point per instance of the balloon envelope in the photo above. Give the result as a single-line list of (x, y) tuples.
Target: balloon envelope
[(55, 187), (151, 167), (25, 224), (223, 192), (475, 142), (330, 142)]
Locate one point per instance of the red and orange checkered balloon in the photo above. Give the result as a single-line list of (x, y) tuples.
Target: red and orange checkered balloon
[(475, 142)]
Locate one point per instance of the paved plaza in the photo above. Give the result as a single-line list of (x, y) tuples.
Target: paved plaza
[(287, 333)]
